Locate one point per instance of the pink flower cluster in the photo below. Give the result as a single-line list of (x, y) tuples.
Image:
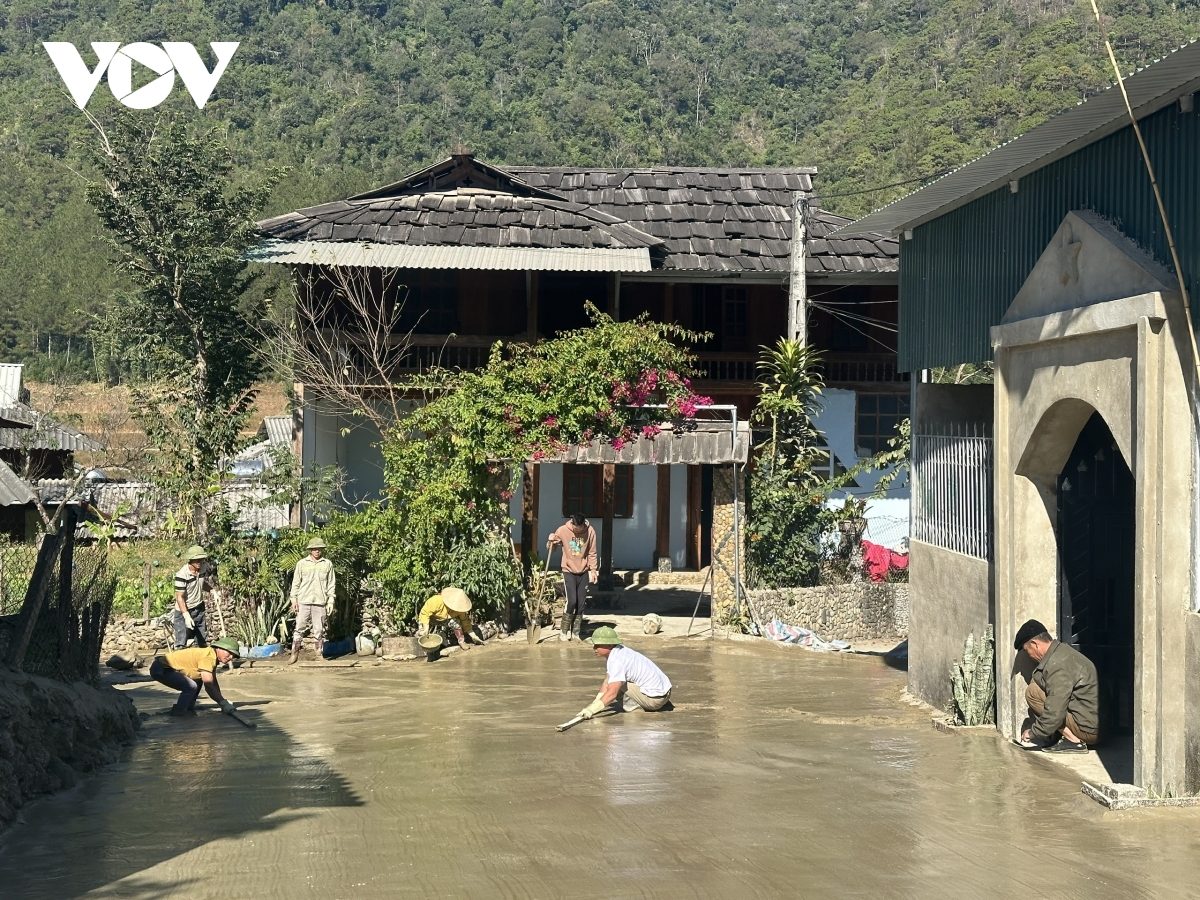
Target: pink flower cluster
[(637, 394)]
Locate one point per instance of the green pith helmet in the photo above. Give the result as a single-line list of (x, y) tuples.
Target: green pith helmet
[(315, 544), (227, 643), (196, 552), (605, 637)]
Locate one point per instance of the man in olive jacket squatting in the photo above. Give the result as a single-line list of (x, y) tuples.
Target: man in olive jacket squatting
[(1063, 695)]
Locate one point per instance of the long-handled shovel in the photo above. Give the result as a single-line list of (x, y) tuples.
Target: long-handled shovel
[(533, 610)]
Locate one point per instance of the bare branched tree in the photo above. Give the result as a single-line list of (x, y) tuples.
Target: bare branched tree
[(343, 338)]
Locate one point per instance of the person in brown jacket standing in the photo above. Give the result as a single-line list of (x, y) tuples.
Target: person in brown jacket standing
[(578, 541)]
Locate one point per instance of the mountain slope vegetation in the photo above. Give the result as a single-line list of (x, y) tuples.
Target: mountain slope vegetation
[(352, 93)]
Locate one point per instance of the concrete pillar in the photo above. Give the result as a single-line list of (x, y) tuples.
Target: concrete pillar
[(608, 502), (662, 517)]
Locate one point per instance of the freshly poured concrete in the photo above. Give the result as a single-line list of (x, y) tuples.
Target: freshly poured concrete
[(779, 774)]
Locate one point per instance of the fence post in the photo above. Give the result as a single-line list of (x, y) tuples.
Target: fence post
[(32, 606), (146, 595), (66, 603)]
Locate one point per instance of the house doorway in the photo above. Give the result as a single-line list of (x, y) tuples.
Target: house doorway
[(1096, 534)]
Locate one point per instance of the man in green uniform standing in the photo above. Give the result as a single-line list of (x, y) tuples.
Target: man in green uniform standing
[(188, 617), (314, 588)]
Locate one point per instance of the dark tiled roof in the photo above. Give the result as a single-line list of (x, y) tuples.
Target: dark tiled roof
[(460, 217), (719, 219), (692, 219)]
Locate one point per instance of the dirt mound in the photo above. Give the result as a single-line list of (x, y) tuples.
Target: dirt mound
[(51, 733)]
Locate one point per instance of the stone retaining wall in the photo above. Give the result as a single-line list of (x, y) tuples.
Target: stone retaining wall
[(125, 635), (849, 612)]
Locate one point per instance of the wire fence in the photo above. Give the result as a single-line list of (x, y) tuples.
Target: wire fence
[(57, 628), (16, 568), (888, 531), (952, 488)]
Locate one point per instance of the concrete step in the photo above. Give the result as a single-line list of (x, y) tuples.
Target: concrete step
[(643, 577)]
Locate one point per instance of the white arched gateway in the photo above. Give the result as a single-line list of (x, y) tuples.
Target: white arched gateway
[(1094, 483)]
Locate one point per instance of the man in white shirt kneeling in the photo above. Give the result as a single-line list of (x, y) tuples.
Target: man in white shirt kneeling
[(630, 677)]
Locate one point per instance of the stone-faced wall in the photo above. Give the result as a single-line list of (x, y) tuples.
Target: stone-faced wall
[(125, 635), (848, 612), (723, 543)]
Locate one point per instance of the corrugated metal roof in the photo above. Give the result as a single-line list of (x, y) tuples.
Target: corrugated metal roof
[(276, 429), (1150, 89), (709, 444), (11, 387), (400, 256), (13, 489), (963, 269), (146, 507), (46, 434)]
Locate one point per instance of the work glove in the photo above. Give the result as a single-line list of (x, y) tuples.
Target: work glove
[(188, 620), (226, 707), (329, 607), (592, 708)]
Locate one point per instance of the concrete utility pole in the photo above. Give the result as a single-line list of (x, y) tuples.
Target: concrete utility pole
[(798, 283)]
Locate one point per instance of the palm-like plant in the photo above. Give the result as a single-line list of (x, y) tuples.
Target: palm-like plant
[(791, 391)]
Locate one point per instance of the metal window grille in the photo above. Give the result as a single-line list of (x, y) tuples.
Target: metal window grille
[(952, 488)]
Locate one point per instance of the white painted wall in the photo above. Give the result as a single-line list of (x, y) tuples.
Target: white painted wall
[(634, 538), (887, 517), (356, 452), (678, 541)]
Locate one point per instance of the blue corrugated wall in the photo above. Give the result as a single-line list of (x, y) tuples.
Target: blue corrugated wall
[(960, 272)]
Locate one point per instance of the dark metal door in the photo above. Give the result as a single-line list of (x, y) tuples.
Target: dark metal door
[(1096, 558)]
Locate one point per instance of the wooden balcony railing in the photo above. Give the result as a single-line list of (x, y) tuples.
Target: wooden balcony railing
[(836, 367), (471, 352), (426, 351), (861, 367)]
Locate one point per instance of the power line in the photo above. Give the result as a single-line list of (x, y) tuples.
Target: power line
[(878, 323), (882, 187)]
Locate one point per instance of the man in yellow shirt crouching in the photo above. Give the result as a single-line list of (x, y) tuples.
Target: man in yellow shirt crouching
[(186, 670)]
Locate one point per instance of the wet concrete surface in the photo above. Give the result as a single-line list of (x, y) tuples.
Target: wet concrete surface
[(779, 774)]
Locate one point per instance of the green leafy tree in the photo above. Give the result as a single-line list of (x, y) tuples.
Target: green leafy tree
[(179, 229), (449, 467), (352, 95), (786, 497)]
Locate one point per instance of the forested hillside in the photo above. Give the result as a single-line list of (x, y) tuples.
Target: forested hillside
[(350, 93)]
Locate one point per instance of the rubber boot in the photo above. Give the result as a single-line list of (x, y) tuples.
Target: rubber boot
[(577, 634), (295, 655), (564, 628)]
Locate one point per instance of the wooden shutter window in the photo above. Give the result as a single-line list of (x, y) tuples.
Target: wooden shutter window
[(583, 486)]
